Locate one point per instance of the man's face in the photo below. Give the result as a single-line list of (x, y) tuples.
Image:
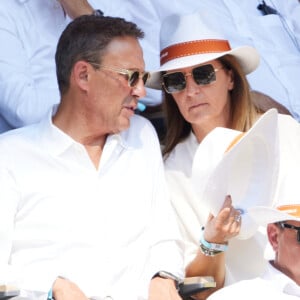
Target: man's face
[(113, 99), (287, 248)]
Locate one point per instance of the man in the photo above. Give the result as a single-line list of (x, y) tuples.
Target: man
[(84, 206), (281, 279)]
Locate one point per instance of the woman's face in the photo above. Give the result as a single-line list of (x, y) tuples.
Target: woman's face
[(207, 105)]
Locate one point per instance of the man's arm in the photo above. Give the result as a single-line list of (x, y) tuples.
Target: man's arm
[(64, 289), (8, 208), (162, 289), (167, 245), (76, 8), (28, 86)]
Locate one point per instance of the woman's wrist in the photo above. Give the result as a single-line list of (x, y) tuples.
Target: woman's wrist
[(210, 249)]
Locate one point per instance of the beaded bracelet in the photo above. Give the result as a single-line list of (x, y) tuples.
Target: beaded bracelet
[(210, 249)]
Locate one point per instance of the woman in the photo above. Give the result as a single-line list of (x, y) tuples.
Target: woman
[(205, 87)]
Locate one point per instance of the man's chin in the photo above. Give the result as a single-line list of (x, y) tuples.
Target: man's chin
[(122, 126)]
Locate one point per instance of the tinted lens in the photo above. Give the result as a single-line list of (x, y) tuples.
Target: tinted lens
[(145, 77), (134, 78), (174, 82), (204, 74)]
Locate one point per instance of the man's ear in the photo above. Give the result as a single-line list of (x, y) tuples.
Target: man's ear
[(273, 232), (81, 74)]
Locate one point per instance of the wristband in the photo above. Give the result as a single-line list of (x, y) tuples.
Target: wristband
[(208, 252), (212, 246)]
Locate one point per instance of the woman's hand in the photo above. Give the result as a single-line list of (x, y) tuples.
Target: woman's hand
[(225, 225)]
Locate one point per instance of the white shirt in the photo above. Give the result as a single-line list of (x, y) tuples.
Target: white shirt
[(108, 230), (192, 212), (271, 285), (276, 37), (29, 31)]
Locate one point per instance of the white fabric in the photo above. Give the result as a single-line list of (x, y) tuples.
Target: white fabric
[(108, 230), (271, 285), (192, 212), (29, 31)]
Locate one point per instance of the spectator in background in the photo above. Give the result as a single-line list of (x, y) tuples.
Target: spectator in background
[(82, 193), (29, 31)]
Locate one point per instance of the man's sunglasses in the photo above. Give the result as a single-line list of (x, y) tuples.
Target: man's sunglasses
[(289, 226), (132, 76), (176, 81)]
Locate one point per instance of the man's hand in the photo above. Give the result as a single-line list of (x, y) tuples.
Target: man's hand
[(64, 289), (163, 289), (76, 8)]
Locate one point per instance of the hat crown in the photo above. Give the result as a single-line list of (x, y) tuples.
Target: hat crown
[(185, 28), (287, 203)]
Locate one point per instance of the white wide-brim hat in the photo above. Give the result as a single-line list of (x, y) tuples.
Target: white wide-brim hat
[(243, 165), (287, 207), (193, 39)]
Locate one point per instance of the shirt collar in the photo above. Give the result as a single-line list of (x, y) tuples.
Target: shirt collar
[(50, 133), (282, 281)]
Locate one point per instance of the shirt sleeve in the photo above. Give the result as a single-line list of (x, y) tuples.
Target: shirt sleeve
[(11, 274), (8, 203), (28, 85), (167, 244)]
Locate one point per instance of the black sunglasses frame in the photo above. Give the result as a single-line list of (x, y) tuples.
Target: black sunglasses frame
[(289, 226), (208, 70)]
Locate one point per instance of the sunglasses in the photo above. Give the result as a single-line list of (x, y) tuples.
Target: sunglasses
[(132, 76), (289, 226), (176, 81)]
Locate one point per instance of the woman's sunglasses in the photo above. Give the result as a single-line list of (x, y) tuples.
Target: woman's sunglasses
[(176, 81), (132, 76)]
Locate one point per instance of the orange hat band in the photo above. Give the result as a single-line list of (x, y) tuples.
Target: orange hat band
[(193, 48), (293, 210)]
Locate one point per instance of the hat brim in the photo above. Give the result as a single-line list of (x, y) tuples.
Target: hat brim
[(247, 57), (264, 215), (247, 172)]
